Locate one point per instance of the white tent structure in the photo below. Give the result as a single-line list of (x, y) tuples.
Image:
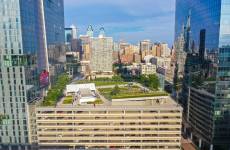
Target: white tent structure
[(82, 92)]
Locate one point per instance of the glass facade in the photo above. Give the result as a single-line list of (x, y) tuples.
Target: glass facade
[(19, 47), (204, 14), (222, 103), (23, 54), (68, 35), (210, 24), (54, 20)]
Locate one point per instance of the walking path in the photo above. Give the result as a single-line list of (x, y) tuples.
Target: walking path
[(187, 144)]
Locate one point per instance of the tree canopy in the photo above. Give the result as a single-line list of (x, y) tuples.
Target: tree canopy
[(151, 81)]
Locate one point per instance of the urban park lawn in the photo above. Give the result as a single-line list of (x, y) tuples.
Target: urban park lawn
[(128, 92)]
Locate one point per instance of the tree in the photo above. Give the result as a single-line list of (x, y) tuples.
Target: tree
[(117, 78), (144, 80), (116, 90), (150, 81), (153, 81), (56, 91)]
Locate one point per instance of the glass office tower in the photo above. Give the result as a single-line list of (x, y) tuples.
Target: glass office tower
[(55, 36), (54, 20), (23, 56), (209, 24)]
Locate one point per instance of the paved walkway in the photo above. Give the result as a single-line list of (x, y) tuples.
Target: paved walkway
[(105, 101), (187, 144)]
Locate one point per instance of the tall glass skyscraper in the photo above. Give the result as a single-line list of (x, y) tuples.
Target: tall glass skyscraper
[(54, 20), (23, 55), (209, 24)]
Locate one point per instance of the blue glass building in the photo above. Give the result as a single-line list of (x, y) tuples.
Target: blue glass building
[(23, 55), (54, 20), (209, 22)]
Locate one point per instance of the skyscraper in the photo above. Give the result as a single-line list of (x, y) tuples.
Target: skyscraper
[(145, 48), (54, 21), (101, 53), (70, 34), (208, 100), (24, 33), (55, 36), (90, 31)]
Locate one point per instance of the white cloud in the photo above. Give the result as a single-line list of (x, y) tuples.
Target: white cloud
[(153, 16)]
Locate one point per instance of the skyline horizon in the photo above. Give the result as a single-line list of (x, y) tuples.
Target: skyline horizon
[(124, 20), (96, 34)]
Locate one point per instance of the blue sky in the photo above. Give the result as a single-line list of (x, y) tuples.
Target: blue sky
[(126, 20)]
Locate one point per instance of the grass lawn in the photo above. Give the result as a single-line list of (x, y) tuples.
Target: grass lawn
[(68, 100), (101, 83), (97, 101), (129, 92)]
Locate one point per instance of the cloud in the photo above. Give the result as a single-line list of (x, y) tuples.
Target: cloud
[(131, 20)]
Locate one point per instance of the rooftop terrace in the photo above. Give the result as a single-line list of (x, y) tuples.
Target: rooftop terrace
[(113, 95), (101, 92), (129, 91)]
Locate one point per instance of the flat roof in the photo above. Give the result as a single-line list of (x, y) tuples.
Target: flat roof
[(159, 107), (131, 97)]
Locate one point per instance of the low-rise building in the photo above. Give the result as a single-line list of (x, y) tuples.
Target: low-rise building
[(131, 118), (148, 68)]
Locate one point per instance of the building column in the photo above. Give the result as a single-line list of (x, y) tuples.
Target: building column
[(19, 147), (26, 147), (200, 143), (191, 136), (10, 148), (211, 147)]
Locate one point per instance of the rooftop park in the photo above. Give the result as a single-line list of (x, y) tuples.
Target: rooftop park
[(115, 80), (129, 91), (56, 91)]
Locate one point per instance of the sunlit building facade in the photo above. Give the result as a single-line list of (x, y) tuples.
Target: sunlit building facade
[(101, 59), (141, 123)]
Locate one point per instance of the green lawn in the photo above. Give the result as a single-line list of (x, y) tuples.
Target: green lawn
[(68, 100), (101, 83), (129, 92), (97, 101)]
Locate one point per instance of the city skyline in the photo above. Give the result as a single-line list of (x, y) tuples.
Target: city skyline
[(124, 20), (104, 74)]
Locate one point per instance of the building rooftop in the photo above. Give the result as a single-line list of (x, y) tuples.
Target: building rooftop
[(123, 96), (77, 94), (101, 82), (129, 91)]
